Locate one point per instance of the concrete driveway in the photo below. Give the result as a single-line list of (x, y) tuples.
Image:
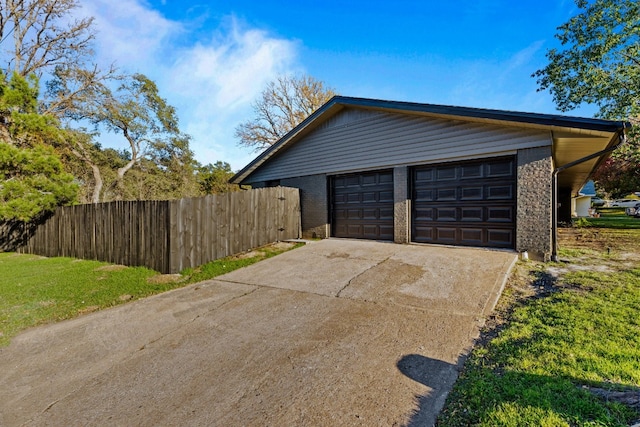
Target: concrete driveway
[(337, 333)]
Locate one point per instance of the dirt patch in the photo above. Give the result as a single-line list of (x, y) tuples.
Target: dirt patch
[(89, 309), (250, 254), (260, 252), (161, 279), (114, 267), (334, 255), (629, 397), (568, 268), (282, 245)]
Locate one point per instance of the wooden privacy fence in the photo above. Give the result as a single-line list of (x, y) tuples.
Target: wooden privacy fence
[(169, 236)]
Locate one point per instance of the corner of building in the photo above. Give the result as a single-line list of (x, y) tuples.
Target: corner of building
[(314, 204), (534, 210)]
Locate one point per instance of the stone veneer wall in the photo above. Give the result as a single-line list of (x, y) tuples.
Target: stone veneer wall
[(533, 233), (401, 204), (314, 204)]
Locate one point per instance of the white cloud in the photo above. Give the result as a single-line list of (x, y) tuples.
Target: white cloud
[(214, 82), (130, 34), (210, 77), (232, 69)]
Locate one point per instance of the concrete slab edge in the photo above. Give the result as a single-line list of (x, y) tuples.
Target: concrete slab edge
[(499, 286)]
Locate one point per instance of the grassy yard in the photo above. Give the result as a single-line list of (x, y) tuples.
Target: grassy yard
[(610, 218), (564, 346), (35, 290)]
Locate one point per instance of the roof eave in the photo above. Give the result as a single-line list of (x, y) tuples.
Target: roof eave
[(579, 125)]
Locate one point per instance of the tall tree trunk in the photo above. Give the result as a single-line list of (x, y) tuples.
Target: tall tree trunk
[(97, 188), (118, 184), (81, 153)]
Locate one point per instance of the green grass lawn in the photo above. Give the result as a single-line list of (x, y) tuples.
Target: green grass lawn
[(569, 331), (35, 290), (610, 218)]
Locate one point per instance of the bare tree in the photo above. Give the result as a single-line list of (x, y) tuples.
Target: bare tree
[(282, 105), (43, 36)]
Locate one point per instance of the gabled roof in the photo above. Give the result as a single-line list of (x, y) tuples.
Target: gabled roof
[(567, 127)]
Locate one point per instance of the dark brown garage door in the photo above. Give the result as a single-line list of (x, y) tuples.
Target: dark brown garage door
[(468, 203), (362, 205)]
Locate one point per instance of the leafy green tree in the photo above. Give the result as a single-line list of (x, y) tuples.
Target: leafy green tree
[(32, 181), (214, 178), (147, 123), (282, 105), (169, 173), (20, 122), (32, 177), (50, 38), (598, 63)]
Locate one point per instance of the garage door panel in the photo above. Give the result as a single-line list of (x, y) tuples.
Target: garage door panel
[(341, 213), (352, 182), (424, 175), (472, 214), (423, 234), (424, 195), (354, 198), (500, 237), (445, 214), (353, 230), (340, 198), (500, 192), (446, 235), (500, 214), (500, 169), (371, 213), (467, 203), (387, 214), (386, 196), (354, 214), (446, 174), (386, 178), (471, 171), (471, 193), (472, 236), (426, 214), (447, 194), (371, 180), (367, 199), (387, 231)]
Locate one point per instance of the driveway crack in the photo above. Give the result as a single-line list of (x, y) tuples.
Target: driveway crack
[(193, 319), (355, 277)]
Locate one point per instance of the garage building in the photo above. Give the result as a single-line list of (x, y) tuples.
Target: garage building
[(423, 173)]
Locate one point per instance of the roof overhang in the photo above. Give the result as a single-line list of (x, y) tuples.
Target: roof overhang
[(573, 137)]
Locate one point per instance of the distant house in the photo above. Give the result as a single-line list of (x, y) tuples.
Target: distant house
[(581, 203), (407, 172)]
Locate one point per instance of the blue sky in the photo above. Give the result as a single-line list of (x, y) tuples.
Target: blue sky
[(211, 59)]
